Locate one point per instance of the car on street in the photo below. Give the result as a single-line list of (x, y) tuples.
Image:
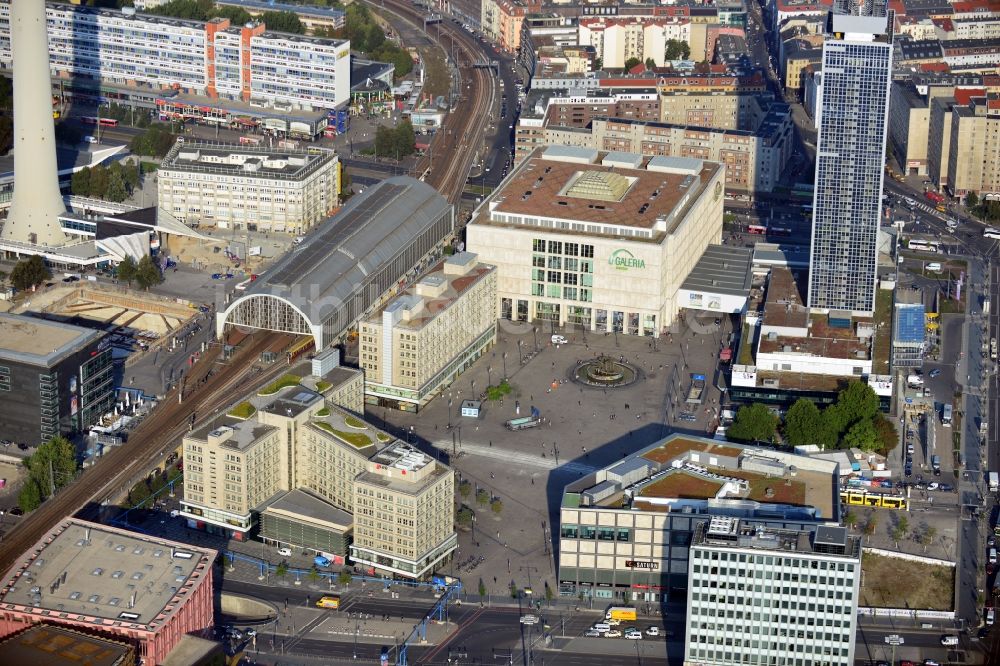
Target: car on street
[(16, 511), (991, 616), (592, 633), (652, 631), (614, 633), (529, 619), (633, 635), (174, 513), (946, 487), (949, 639), (216, 276), (285, 552), (934, 373), (559, 340)]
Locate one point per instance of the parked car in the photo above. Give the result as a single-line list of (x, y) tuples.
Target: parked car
[(946, 487), (285, 552), (216, 276), (592, 633), (633, 635), (933, 485), (991, 616), (321, 561), (949, 639), (559, 340), (652, 631), (614, 633), (934, 373)]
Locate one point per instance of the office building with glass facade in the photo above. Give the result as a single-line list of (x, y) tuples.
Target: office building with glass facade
[(854, 112), (55, 379), (766, 596)]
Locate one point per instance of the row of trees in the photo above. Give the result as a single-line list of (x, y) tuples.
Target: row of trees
[(987, 210), (156, 141), (853, 421), (50, 468), (127, 115), (677, 49), (203, 10), (145, 273), (113, 183), (397, 142), (368, 37)]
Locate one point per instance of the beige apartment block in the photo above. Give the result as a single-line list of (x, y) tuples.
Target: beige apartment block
[(245, 187), (295, 464), (909, 126), (428, 335), (975, 144), (403, 512)]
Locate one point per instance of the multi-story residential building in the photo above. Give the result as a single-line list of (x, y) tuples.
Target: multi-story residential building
[(248, 187), (977, 55), (404, 512), (799, 54), (761, 594), (626, 531), (616, 40), (755, 153), (909, 123), (135, 588), (857, 66), (977, 28), (313, 475), (502, 21), (599, 240), (313, 18), (55, 378), (417, 344), (973, 164), (214, 58)]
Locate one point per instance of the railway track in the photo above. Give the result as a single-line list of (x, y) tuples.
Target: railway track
[(454, 146), (120, 469)]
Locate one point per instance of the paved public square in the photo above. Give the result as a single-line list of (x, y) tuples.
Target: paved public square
[(585, 428)]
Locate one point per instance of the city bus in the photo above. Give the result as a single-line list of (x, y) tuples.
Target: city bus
[(923, 245), (330, 601), (946, 415), (103, 122), (757, 229)]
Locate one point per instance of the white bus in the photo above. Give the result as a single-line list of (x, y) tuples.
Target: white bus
[(946, 415), (991, 232), (922, 245)]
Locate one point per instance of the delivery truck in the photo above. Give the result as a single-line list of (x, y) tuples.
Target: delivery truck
[(621, 613)]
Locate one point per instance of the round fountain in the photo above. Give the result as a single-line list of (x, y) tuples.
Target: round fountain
[(605, 372)]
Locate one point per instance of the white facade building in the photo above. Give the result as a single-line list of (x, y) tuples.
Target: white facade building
[(235, 186), (600, 240), (215, 59), (764, 596), (615, 40)]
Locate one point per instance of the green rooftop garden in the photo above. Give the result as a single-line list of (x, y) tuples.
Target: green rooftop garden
[(322, 385), (281, 382), (354, 422), (358, 440), (244, 410)]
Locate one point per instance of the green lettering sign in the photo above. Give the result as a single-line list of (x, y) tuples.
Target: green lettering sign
[(623, 260)]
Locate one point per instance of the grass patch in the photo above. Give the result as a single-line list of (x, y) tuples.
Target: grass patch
[(358, 440), (746, 346), (382, 437), (281, 382), (149, 167), (323, 412), (355, 422), (322, 385), (950, 306), (438, 79), (891, 582), (681, 485), (244, 410), (883, 333)]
